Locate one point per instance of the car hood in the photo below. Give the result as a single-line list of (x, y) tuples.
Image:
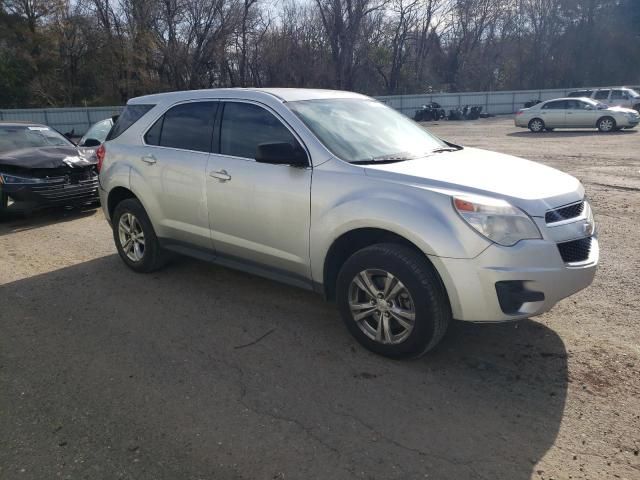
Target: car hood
[(622, 110), (44, 157), (529, 185)]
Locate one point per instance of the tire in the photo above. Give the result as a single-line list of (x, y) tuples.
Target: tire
[(536, 125), (415, 289), (606, 124), (144, 258)]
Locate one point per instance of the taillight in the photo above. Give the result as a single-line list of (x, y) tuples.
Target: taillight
[(100, 154), (519, 112)]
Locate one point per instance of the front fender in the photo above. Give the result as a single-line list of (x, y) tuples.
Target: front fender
[(342, 203)]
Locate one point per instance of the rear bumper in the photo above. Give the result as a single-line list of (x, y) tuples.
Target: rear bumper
[(533, 267), (24, 197)]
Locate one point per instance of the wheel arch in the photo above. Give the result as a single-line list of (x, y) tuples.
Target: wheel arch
[(117, 195), (354, 240)]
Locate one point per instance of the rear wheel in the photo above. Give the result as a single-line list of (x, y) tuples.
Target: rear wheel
[(536, 125), (392, 301), (135, 238), (606, 124)]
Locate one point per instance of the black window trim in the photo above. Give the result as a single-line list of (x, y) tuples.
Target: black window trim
[(169, 107), (217, 129)]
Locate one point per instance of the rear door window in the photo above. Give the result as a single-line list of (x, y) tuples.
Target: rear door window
[(557, 105), (602, 95), (188, 126), (619, 95), (130, 115)]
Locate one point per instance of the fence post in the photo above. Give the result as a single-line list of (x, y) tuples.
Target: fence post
[(88, 119), (1, 115), (513, 102), (46, 117), (486, 103)]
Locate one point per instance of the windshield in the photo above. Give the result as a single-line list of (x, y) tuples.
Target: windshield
[(18, 137), (360, 130), (98, 131), (633, 93)]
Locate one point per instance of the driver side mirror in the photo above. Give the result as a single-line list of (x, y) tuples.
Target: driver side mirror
[(281, 153), (91, 142)]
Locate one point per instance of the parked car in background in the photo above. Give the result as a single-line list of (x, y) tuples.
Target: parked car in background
[(95, 136), (430, 111), (39, 167), (404, 230), (621, 97), (575, 113)]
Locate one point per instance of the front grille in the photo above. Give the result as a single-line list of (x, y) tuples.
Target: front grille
[(68, 189), (575, 250), (564, 213)]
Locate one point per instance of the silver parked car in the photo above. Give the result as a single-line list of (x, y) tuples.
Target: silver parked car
[(337, 193), (575, 113)]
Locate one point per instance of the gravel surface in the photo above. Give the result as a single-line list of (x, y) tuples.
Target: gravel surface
[(107, 374)]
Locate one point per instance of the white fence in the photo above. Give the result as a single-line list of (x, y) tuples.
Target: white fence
[(496, 103), (64, 120), (78, 120)]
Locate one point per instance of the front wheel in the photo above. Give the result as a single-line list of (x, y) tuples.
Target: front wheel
[(606, 124), (135, 238), (536, 125), (392, 301)]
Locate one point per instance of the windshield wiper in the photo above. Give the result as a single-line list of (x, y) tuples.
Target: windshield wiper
[(446, 149)]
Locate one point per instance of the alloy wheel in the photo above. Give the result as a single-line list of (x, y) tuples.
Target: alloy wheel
[(536, 125), (131, 237), (381, 306), (606, 125)]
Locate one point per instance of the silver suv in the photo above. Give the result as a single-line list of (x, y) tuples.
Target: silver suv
[(614, 97), (337, 193)]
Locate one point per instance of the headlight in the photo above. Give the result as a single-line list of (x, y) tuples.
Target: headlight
[(495, 219), (15, 179)]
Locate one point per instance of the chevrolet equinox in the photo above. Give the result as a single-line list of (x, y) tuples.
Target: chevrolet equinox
[(337, 193)]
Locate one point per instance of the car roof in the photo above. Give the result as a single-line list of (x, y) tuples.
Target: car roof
[(566, 98), (281, 94)]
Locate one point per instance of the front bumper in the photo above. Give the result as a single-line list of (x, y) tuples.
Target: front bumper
[(58, 191), (535, 264)]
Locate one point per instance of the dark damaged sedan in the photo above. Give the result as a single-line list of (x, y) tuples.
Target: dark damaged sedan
[(39, 168)]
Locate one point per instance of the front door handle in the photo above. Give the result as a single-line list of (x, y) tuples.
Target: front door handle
[(150, 159), (221, 175)]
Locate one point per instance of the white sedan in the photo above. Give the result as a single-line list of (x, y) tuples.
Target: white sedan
[(575, 113)]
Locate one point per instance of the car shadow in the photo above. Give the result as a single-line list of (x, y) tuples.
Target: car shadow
[(18, 222), (569, 133), (197, 371)]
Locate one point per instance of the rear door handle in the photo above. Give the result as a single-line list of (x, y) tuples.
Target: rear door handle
[(150, 159), (220, 175)]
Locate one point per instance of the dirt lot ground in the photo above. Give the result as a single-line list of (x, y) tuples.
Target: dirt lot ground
[(106, 374)]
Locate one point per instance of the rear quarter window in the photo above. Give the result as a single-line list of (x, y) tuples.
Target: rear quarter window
[(130, 115)]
